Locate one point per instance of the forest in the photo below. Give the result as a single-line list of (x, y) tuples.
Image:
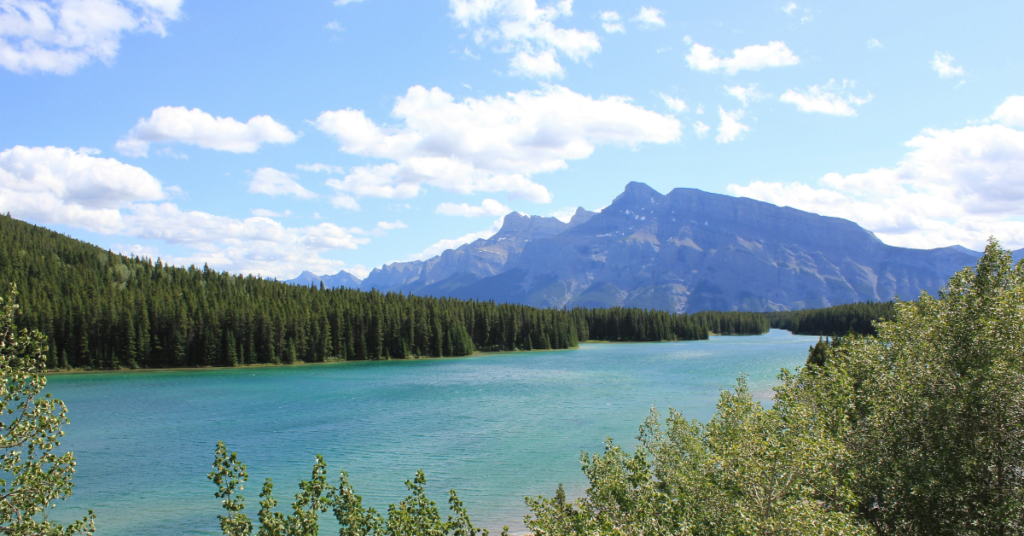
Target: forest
[(101, 310), (834, 321)]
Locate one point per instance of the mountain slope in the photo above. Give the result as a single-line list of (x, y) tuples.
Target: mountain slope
[(691, 250)]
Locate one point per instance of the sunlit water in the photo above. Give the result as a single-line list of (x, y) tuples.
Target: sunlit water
[(494, 427)]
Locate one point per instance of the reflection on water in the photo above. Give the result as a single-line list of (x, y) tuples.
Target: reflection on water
[(494, 427)]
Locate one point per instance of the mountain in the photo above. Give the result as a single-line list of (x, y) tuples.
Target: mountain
[(684, 251), (471, 262), (338, 280)]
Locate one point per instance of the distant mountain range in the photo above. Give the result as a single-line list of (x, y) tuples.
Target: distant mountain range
[(686, 251), (338, 280)]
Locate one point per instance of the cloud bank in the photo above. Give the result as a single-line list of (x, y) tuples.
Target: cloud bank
[(527, 31), (62, 36), (954, 186), (494, 144), (60, 186)]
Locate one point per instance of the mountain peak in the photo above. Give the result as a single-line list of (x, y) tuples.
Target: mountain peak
[(637, 194), (581, 216), (521, 226)]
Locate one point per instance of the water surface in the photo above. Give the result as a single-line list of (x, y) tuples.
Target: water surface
[(494, 427)]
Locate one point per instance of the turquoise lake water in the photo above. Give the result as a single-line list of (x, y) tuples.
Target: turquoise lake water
[(494, 427)]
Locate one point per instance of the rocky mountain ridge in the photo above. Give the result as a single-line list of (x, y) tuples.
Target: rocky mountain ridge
[(684, 251)]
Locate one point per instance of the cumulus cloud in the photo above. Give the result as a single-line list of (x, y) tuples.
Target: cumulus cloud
[(195, 127), (541, 65), (610, 22), (60, 185), (751, 58), (874, 43), (729, 127), (746, 94), (61, 36), (943, 64), (272, 182), (952, 187), (674, 104), (789, 8), (52, 185), (1010, 112), (649, 17), (484, 145), (828, 99), (526, 30), (701, 129), (489, 207)]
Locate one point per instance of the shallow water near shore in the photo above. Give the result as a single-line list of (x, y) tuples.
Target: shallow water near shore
[(494, 427)]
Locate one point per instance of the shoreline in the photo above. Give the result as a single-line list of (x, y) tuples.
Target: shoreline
[(476, 353)]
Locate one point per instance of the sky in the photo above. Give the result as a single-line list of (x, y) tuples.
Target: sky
[(275, 137)]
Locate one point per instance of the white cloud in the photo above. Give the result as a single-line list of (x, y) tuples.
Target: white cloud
[(542, 65), (270, 181), (952, 187), (262, 212), (60, 185), (62, 36), (527, 31), (384, 226), (874, 43), (943, 64), (746, 94), (610, 22), (317, 168), (701, 129), (729, 126), (334, 26), (827, 99), (51, 185), (489, 207), (391, 225), (196, 127), (751, 58), (1010, 112), (789, 8), (441, 246), (344, 2), (674, 104), (649, 17), (485, 145)]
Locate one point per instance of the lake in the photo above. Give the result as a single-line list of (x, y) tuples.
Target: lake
[(494, 427)]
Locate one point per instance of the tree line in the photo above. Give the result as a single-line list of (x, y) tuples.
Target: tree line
[(835, 321), (100, 310)]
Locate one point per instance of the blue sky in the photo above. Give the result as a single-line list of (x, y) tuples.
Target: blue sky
[(273, 137)]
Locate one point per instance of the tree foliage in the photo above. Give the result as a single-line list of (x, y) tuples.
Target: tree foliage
[(916, 431), (416, 515), (33, 476), (838, 320)]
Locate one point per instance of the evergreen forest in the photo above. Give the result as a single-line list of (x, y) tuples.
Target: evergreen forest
[(100, 310)]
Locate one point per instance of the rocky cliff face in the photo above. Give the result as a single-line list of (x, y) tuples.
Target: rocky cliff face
[(470, 262), (685, 251)]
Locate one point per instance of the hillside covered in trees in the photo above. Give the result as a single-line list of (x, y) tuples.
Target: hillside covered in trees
[(98, 309), (834, 321)]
